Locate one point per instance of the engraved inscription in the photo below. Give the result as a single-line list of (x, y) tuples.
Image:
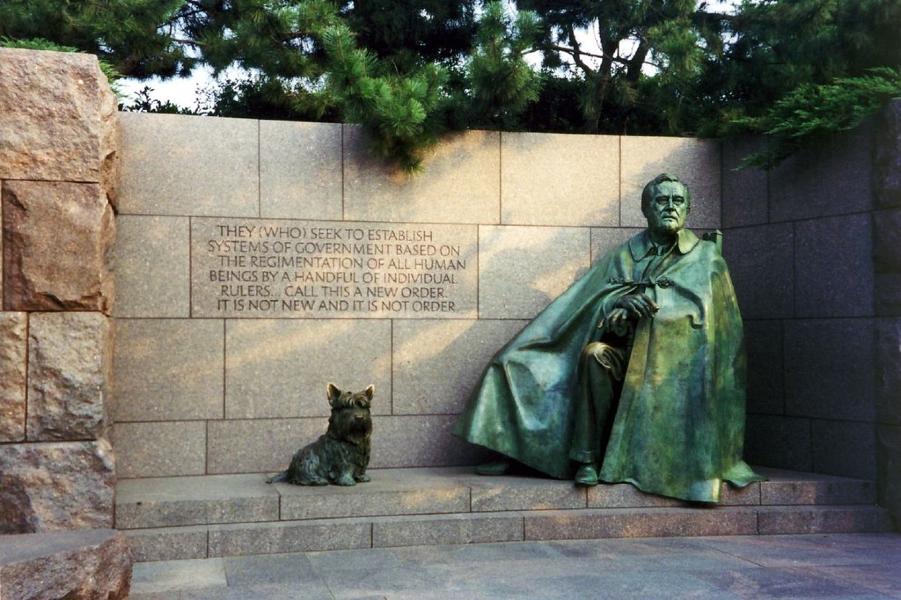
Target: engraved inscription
[(268, 268)]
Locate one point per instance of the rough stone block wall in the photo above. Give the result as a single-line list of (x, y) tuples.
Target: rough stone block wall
[(206, 385), (813, 250), (58, 167)]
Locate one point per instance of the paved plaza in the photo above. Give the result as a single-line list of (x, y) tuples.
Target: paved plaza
[(855, 566)]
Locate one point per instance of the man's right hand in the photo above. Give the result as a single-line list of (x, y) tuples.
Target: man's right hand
[(637, 305)]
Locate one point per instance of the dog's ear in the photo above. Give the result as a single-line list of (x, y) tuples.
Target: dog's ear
[(333, 394), (370, 392)]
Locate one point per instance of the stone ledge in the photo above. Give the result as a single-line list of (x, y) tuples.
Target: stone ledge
[(88, 565), (241, 539), (222, 499), (226, 515)]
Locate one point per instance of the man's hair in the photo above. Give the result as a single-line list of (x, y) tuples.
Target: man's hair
[(647, 194)]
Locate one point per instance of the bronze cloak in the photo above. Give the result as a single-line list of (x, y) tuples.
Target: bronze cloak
[(679, 425)]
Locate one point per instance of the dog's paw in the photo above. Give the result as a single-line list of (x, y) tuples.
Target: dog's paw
[(363, 478), (345, 480)]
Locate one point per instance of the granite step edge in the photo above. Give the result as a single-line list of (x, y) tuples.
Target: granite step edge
[(174, 543)]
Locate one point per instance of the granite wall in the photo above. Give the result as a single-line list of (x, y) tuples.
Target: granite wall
[(257, 261), (58, 168), (813, 250)]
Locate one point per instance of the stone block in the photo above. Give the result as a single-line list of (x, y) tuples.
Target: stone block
[(735, 496), (838, 282), (56, 236), (886, 241), (253, 268), (603, 240), (391, 492), (420, 441), (300, 170), (69, 366), (88, 565), (776, 441), (887, 294), (887, 159), (168, 370), (289, 576), (446, 529), (624, 495), (840, 163), (295, 536), (823, 519), (461, 182), (523, 268), (785, 488), (696, 162), (837, 380), (745, 193), (177, 501), (182, 579), (54, 486), (58, 118), (277, 368), (888, 462), (633, 523), (766, 380), (151, 263), (846, 448), (187, 165), (168, 543), (160, 449), (497, 494), (13, 369), (260, 445), (760, 262), (437, 363), (557, 179), (266, 446)]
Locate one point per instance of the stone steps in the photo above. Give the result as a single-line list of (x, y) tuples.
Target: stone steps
[(230, 515)]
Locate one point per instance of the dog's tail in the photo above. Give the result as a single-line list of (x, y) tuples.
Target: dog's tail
[(278, 477)]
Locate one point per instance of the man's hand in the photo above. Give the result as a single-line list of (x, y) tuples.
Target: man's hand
[(631, 306), (637, 305)]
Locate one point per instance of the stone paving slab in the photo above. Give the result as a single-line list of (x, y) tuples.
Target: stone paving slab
[(812, 566)]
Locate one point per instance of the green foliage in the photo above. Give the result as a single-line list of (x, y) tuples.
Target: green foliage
[(144, 102), (501, 83), (408, 70), (400, 113), (812, 110)]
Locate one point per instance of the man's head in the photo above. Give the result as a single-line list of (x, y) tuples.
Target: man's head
[(665, 203)]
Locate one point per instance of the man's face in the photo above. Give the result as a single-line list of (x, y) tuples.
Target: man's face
[(668, 208)]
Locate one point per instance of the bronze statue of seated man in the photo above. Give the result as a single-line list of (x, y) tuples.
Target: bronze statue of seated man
[(635, 374)]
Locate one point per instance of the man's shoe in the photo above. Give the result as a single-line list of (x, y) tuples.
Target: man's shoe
[(587, 475), (493, 468)]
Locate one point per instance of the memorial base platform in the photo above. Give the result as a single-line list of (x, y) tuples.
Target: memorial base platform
[(234, 515)]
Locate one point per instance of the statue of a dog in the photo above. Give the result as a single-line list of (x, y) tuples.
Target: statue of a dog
[(341, 455)]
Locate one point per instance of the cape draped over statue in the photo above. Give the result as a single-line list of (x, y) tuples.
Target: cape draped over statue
[(679, 425)]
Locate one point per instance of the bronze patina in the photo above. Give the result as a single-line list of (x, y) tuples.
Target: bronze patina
[(635, 374), (341, 454)]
